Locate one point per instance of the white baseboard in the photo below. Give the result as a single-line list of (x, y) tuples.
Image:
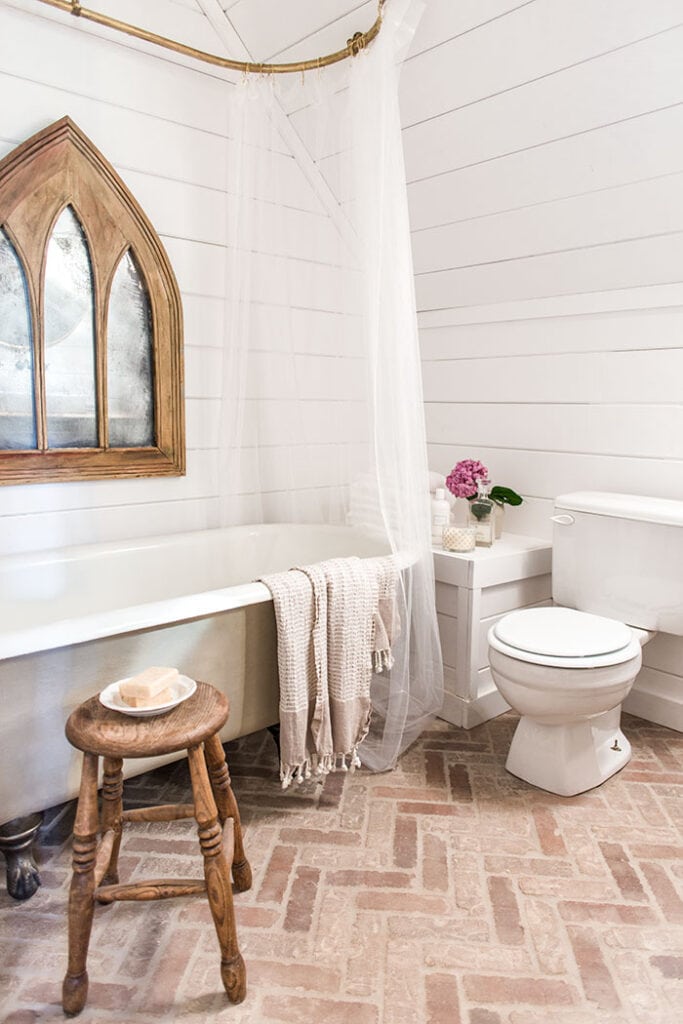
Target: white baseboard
[(469, 713), (657, 697)]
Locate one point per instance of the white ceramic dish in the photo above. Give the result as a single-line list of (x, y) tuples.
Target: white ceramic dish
[(182, 689)]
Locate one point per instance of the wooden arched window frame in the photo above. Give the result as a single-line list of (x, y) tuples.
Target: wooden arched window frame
[(58, 173)]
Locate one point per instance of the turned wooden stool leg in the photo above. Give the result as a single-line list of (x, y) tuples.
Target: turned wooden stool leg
[(112, 810), (217, 875), (227, 808), (81, 902)]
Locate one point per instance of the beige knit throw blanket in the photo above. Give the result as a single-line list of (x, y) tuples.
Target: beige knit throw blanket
[(336, 621)]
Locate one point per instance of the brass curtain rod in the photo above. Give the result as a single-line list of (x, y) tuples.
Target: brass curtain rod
[(353, 46)]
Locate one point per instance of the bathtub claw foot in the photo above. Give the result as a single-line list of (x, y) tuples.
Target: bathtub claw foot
[(274, 731), (16, 841)]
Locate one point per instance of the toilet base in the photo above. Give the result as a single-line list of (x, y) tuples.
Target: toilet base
[(570, 758)]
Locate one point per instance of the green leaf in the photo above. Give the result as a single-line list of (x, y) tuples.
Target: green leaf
[(505, 496)]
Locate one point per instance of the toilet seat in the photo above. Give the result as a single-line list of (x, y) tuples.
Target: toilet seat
[(563, 637)]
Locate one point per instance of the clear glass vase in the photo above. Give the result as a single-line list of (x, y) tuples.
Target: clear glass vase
[(498, 519)]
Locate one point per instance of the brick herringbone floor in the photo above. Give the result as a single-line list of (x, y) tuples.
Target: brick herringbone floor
[(446, 892)]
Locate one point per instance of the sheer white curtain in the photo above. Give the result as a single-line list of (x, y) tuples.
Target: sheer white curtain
[(322, 416)]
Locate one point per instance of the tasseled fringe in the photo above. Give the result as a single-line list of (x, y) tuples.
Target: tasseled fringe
[(382, 660), (290, 773)]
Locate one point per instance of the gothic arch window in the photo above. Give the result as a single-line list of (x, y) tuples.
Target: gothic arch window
[(90, 321)]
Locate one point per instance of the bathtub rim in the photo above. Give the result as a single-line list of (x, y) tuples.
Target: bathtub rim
[(67, 631)]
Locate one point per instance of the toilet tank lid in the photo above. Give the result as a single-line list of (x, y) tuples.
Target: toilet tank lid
[(623, 506)]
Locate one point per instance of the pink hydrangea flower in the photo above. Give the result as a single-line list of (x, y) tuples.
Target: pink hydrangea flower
[(462, 479)]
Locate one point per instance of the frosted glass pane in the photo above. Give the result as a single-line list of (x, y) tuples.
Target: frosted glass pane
[(130, 396), (69, 338), (17, 408)]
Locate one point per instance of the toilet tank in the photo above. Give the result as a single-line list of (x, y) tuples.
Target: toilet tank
[(621, 556)]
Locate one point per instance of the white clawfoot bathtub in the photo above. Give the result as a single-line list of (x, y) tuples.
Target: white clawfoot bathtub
[(74, 620)]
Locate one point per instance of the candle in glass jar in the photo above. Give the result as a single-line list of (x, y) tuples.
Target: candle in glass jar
[(459, 538)]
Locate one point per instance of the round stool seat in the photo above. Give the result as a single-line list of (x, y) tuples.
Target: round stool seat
[(95, 729)]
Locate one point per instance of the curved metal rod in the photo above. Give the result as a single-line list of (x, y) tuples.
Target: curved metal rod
[(353, 46)]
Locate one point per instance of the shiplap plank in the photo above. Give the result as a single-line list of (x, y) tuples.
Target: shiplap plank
[(202, 423), (645, 147), (602, 332), (204, 320), (665, 654), (555, 307), (652, 377), (443, 20), (277, 421), (307, 377), (201, 480), (531, 43), (629, 264), (165, 129), (201, 269), (580, 99), (105, 70), (55, 529), (623, 212), (203, 370), (205, 215), (140, 141), (545, 474), (646, 431)]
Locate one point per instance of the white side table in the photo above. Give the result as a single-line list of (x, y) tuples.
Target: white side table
[(473, 590)]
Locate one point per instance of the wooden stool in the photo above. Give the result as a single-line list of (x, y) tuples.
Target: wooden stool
[(193, 725)]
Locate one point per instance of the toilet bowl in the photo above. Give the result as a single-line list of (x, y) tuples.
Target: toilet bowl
[(617, 558), (566, 672)]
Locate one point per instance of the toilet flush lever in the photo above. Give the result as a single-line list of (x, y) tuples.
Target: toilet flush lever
[(564, 519)]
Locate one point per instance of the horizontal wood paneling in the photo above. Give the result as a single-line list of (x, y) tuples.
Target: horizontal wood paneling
[(621, 331), (621, 213), (165, 128), (517, 50), (613, 265), (650, 377), (544, 473), (644, 431), (643, 147), (580, 99), (544, 153)]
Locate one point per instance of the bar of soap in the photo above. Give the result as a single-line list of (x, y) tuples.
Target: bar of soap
[(153, 686)]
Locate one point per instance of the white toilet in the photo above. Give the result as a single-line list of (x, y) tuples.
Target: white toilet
[(617, 578)]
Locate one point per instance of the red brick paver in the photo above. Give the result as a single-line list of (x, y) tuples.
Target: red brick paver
[(445, 892)]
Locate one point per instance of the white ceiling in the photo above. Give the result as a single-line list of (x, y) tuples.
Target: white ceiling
[(284, 30)]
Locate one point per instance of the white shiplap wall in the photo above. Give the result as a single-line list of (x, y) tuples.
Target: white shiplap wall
[(544, 154), (163, 123)]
